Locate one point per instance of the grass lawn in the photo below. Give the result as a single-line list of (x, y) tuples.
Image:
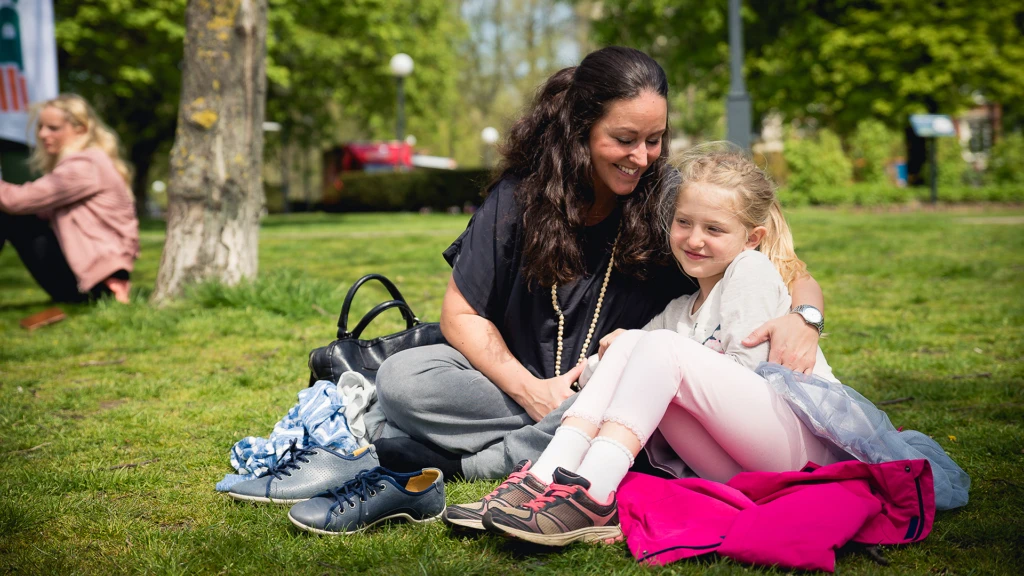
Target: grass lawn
[(116, 423)]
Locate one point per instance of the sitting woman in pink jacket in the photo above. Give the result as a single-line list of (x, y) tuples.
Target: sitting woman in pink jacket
[(75, 227)]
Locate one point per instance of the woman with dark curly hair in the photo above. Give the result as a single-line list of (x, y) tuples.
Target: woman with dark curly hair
[(565, 249)]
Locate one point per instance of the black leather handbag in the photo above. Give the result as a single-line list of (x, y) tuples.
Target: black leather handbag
[(348, 352)]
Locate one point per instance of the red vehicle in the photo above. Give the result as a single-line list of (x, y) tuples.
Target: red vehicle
[(369, 157), (366, 157)]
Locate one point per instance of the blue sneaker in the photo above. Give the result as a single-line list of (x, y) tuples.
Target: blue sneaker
[(372, 497), (308, 472)]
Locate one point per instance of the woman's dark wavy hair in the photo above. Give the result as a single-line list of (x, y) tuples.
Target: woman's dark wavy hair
[(548, 150)]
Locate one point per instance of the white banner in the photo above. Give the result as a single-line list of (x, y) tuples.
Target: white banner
[(28, 63)]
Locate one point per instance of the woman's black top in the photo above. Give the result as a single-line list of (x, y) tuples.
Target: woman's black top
[(486, 263)]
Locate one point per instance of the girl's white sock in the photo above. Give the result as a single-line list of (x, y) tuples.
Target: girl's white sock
[(565, 450), (605, 466)]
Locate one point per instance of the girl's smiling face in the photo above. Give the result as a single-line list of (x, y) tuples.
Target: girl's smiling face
[(626, 141), (706, 234)]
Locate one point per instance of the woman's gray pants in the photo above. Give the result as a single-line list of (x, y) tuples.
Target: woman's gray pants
[(432, 393)]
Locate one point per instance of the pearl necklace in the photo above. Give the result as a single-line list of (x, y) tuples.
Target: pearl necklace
[(593, 323)]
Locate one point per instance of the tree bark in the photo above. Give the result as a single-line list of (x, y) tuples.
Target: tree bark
[(215, 190)]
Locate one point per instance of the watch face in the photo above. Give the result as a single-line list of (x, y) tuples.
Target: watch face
[(812, 315)]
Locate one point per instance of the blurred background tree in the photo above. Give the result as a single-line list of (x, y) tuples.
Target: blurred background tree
[(327, 68), (856, 67), (838, 62), (123, 56)]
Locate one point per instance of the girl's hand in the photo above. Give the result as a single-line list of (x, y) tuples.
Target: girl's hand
[(607, 341), (794, 343), (543, 396)]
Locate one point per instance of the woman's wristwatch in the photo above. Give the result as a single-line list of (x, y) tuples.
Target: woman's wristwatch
[(811, 315)]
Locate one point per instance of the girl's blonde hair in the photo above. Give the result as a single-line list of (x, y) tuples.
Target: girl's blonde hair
[(78, 113), (727, 166)]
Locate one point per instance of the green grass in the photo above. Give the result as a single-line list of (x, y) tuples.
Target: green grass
[(920, 304)]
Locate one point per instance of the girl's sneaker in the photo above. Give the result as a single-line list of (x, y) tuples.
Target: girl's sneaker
[(564, 514), (520, 488)]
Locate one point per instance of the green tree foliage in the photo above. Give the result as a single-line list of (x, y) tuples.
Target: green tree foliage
[(511, 48), (839, 61), (327, 64), (123, 55), (328, 61), (888, 58)]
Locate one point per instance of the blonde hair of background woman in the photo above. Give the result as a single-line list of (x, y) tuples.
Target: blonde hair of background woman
[(725, 165), (78, 113)]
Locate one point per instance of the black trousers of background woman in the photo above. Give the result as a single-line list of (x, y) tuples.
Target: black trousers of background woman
[(37, 246)]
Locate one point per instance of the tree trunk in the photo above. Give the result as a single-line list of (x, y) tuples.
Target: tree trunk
[(215, 193)]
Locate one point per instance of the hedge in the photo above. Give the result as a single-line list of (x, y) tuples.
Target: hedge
[(870, 194), (443, 189), (405, 191)]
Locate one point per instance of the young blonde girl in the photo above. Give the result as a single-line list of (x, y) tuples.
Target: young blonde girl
[(686, 374), (75, 227)]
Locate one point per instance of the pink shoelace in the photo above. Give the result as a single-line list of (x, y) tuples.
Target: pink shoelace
[(513, 476), (554, 491)]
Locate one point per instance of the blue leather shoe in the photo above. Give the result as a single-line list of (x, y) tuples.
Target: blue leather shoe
[(372, 497)]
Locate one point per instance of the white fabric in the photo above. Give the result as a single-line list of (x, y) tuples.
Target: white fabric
[(750, 293), (357, 394), (26, 27)]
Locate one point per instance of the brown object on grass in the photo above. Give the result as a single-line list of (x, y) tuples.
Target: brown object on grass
[(48, 316)]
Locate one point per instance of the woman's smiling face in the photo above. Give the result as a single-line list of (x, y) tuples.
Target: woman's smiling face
[(626, 141)]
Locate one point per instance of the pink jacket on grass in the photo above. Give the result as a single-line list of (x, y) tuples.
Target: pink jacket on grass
[(790, 519), (91, 210)]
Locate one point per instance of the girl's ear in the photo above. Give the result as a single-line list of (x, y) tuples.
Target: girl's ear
[(755, 236)]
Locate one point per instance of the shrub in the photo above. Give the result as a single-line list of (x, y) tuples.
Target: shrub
[(1006, 163), (953, 169), (871, 147), (406, 191), (816, 164), (831, 195), (1005, 193), (869, 194)]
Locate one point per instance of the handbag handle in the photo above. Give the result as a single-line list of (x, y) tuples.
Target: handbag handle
[(347, 305), (410, 319)]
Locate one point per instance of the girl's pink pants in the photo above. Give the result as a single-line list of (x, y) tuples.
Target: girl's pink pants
[(719, 417)]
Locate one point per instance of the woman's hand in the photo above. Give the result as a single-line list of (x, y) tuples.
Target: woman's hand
[(540, 397), (794, 343), (607, 341)]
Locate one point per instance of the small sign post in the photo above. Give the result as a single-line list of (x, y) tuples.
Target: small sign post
[(933, 126)]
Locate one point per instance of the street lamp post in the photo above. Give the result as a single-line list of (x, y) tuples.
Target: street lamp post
[(738, 102), (490, 137), (401, 66)]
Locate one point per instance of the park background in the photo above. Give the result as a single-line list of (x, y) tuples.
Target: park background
[(115, 423)]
